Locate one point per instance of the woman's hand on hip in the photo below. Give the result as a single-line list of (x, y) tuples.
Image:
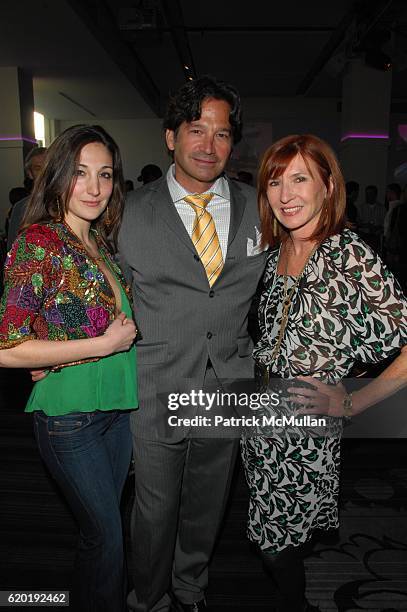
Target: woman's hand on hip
[(320, 399)]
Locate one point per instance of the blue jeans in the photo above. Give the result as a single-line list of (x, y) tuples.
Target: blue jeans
[(88, 454)]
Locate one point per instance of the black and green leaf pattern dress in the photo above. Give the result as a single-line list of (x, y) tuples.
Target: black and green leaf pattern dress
[(348, 307)]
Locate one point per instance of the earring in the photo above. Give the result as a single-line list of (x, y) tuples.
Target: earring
[(107, 218), (59, 216), (325, 207), (275, 227)]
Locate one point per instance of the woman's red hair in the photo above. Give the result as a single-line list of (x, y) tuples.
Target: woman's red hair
[(274, 163)]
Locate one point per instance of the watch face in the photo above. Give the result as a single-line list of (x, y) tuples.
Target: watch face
[(347, 406)]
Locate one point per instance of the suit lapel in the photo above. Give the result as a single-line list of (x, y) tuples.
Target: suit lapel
[(165, 208), (162, 203), (237, 208)]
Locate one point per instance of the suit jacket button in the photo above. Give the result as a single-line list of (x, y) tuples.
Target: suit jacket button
[(196, 257), (209, 335), (211, 293)]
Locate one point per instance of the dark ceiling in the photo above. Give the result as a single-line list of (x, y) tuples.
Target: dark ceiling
[(123, 57), (265, 48)]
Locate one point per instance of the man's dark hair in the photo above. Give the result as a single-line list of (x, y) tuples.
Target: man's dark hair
[(372, 188), (395, 188), (149, 173), (186, 103), (16, 194)]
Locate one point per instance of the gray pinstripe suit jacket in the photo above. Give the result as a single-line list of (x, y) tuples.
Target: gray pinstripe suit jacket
[(182, 321)]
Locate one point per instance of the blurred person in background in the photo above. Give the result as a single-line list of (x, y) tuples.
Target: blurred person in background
[(128, 186), (371, 218), (352, 193), (33, 165), (149, 173)]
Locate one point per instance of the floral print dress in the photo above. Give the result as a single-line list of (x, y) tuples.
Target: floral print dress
[(347, 307)]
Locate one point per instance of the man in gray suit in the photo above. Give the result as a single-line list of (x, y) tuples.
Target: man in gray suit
[(33, 165), (191, 310)]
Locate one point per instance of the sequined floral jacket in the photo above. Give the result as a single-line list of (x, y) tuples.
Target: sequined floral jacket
[(53, 289)]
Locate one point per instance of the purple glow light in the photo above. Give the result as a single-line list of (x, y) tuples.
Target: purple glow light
[(364, 135), (402, 130), (8, 138)]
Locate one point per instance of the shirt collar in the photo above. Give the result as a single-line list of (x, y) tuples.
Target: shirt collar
[(220, 187)]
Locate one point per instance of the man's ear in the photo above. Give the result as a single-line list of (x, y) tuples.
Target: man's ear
[(170, 139)]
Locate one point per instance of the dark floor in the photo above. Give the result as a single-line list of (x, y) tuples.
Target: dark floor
[(361, 567)]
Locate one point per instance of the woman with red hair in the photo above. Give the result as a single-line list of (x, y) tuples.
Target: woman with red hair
[(328, 301)]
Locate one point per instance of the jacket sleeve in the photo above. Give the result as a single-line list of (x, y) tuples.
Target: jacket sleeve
[(17, 214), (377, 303), (33, 272)]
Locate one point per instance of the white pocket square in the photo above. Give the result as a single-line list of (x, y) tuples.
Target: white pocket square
[(254, 246)]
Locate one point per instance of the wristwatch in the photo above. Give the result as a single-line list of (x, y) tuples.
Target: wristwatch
[(347, 404)]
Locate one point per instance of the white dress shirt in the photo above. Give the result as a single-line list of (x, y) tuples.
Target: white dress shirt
[(218, 207)]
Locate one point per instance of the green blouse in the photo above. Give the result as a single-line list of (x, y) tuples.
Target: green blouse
[(107, 384)]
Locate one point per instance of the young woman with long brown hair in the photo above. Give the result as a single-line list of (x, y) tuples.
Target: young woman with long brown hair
[(65, 307)]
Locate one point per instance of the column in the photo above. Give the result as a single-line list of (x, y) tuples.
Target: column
[(366, 95), (16, 130)]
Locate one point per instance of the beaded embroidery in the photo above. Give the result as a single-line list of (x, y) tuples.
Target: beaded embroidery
[(53, 289)]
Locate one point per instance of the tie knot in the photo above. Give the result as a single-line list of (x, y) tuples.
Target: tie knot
[(199, 199)]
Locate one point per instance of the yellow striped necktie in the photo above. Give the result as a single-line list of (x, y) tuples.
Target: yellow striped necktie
[(205, 237)]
